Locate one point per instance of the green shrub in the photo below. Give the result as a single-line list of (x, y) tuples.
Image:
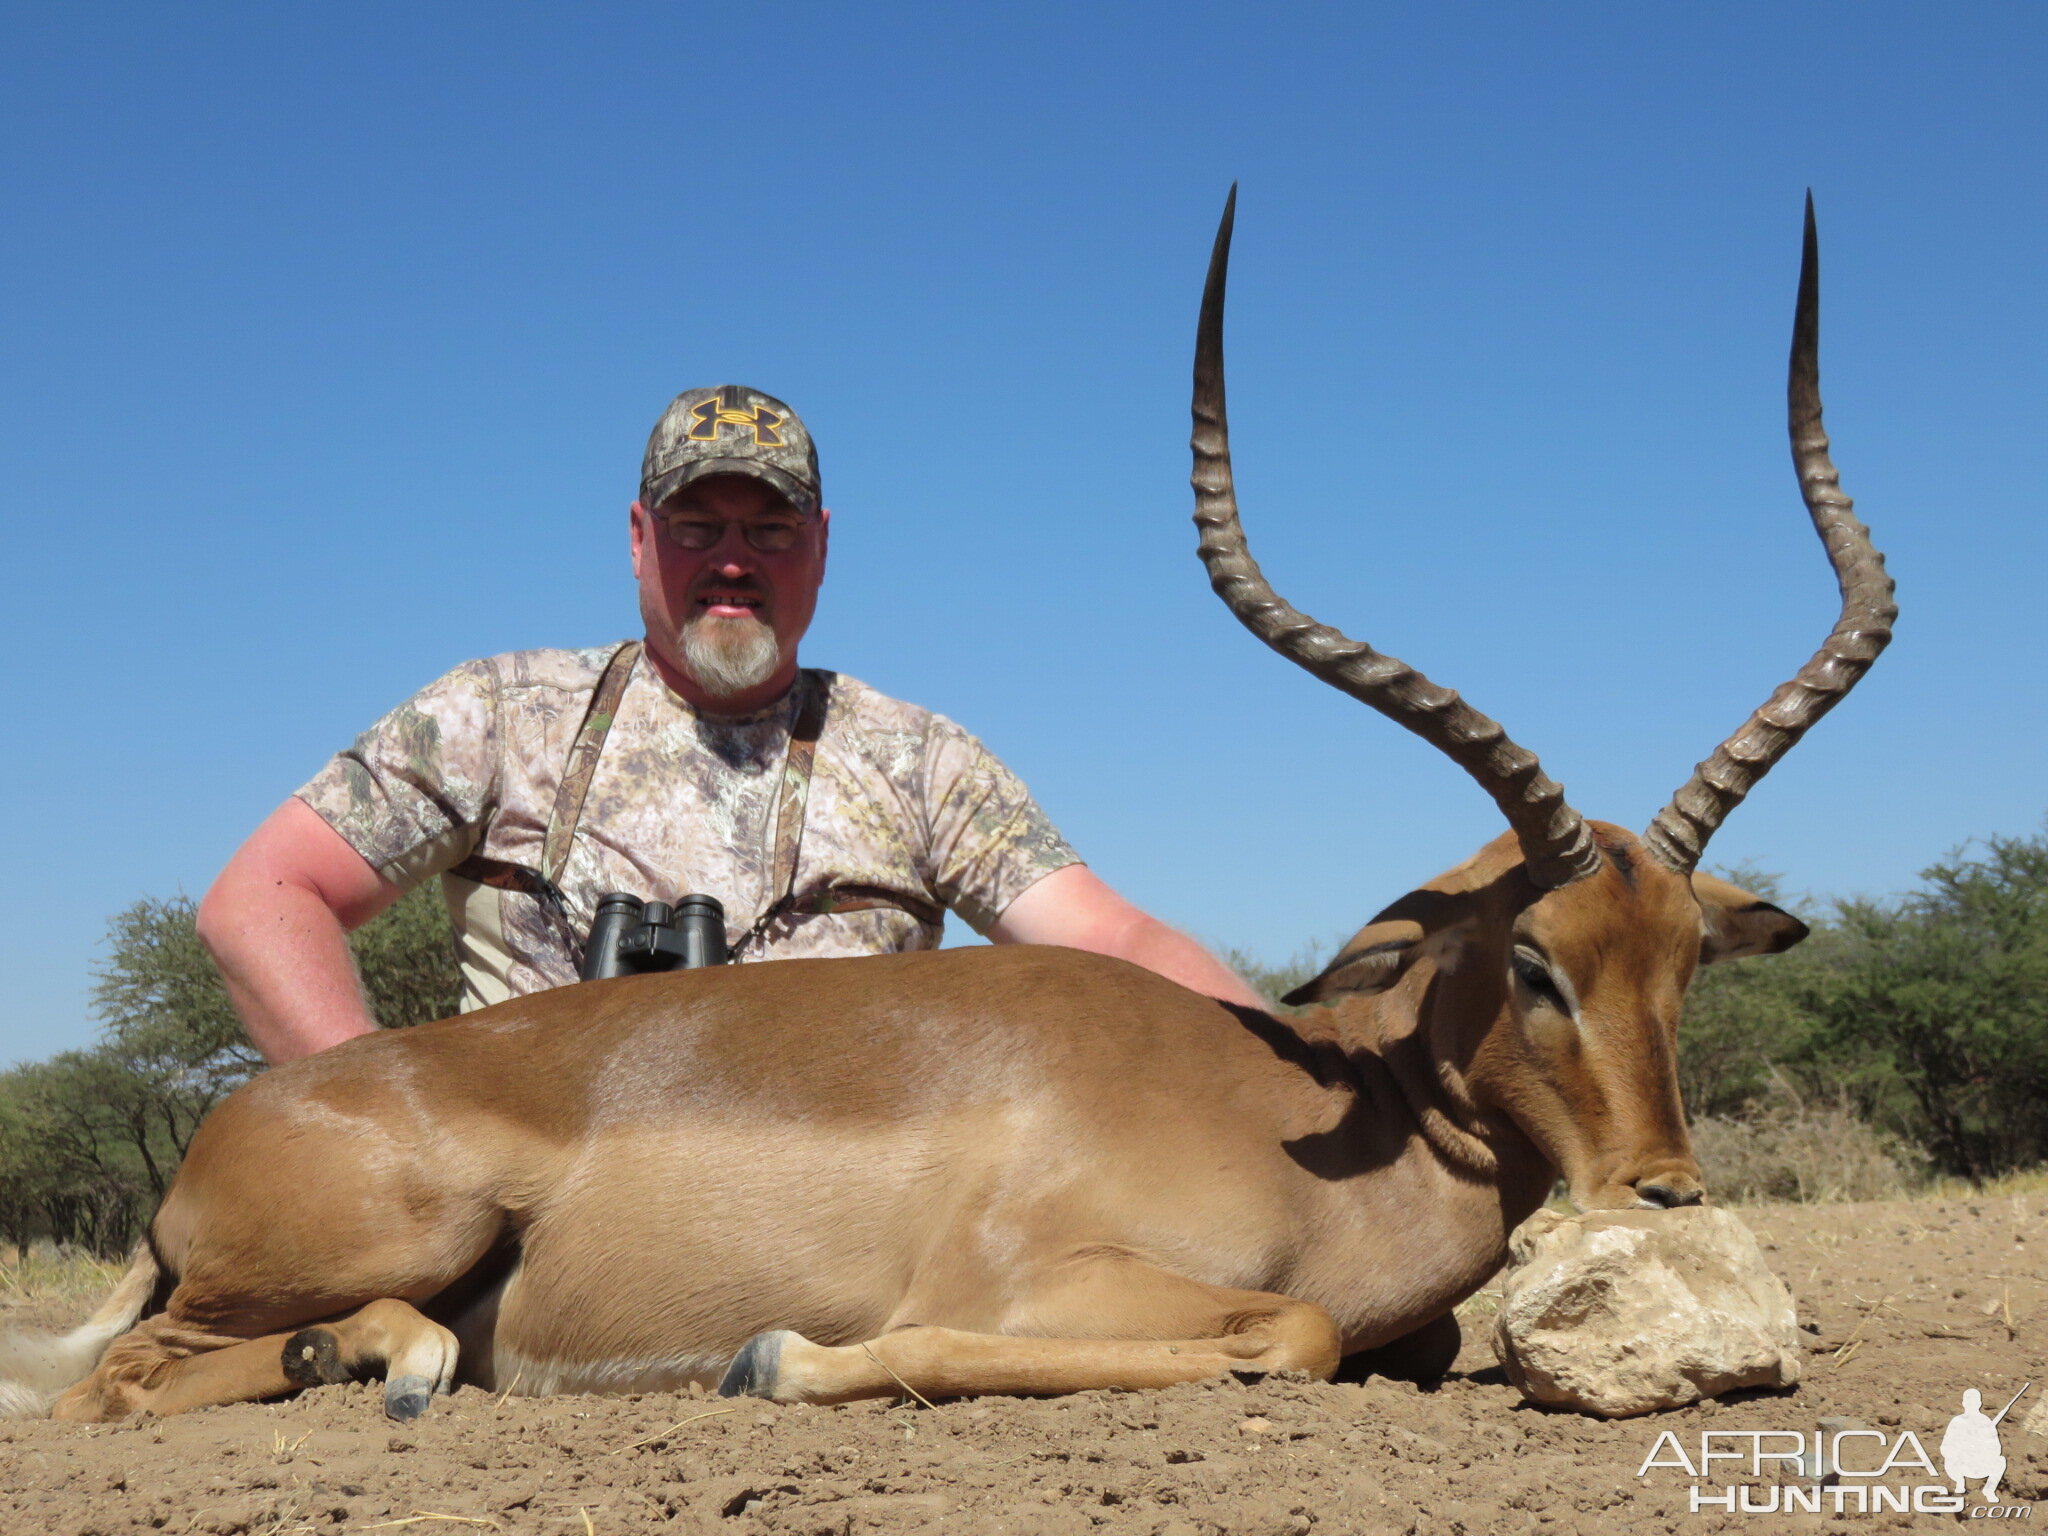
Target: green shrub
[(89, 1140)]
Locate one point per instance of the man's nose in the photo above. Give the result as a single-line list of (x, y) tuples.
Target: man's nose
[(731, 555)]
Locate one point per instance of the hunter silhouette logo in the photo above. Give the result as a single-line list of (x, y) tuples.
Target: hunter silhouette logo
[(710, 417), (1970, 1449)]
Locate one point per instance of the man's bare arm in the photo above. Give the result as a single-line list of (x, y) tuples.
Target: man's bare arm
[(276, 922), (1072, 907)]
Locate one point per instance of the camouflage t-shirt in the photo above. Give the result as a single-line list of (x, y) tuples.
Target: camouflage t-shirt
[(903, 804)]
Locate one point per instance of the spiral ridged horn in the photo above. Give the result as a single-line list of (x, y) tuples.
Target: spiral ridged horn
[(1555, 843), (1679, 834)]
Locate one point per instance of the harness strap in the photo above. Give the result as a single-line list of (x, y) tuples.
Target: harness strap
[(863, 898), (582, 767), (568, 808), (789, 832)]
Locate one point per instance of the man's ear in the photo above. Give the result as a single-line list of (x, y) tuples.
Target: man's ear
[(1735, 924), (641, 525), (1372, 962)]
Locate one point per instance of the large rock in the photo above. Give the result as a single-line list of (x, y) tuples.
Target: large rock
[(1626, 1312)]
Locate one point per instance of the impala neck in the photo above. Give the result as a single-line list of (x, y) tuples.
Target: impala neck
[(1451, 1178), (1414, 1033)]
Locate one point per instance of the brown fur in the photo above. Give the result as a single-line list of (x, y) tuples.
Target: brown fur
[(1015, 1169)]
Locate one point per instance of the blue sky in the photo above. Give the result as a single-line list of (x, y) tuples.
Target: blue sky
[(332, 336)]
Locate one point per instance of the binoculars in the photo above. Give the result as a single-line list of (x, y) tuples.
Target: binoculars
[(629, 936)]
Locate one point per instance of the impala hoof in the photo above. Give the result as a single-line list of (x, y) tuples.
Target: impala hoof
[(312, 1358), (754, 1369), (406, 1397)]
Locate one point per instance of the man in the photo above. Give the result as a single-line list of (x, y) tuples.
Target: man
[(828, 819)]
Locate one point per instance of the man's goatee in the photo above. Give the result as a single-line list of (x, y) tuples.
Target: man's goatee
[(726, 656)]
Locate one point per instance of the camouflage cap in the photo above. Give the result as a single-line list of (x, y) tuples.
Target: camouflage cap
[(729, 429)]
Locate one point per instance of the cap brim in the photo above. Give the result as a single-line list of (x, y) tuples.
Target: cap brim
[(654, 492)]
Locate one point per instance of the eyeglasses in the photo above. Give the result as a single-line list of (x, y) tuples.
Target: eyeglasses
[(701, 530)]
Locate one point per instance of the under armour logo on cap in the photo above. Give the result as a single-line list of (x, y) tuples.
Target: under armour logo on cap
[(724, 410), (729, 429)]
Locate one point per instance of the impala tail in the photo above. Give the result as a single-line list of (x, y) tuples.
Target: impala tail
[(36, 1367)]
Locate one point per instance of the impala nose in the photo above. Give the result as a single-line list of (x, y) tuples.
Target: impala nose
[(1665, 1196)]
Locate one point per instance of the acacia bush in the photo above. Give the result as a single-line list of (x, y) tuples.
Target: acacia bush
[(1925, 1016), (1941, 996), (89, 1139)]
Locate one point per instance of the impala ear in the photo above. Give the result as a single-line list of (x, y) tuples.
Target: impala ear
[(1371, 962), (1735, 924)]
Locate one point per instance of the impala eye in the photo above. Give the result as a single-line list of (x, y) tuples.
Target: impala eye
[(1532, 973)]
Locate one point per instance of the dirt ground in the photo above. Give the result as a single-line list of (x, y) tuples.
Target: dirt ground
[(1909, 1303)]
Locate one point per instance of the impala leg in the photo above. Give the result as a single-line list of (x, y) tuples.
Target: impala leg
[(161, 1368), (417, 1355), (1093, 1323)]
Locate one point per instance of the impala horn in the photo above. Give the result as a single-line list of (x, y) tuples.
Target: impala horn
[(1555, 843), (1679, 834)]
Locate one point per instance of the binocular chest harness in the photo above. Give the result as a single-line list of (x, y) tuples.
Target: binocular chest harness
[(629, 935)]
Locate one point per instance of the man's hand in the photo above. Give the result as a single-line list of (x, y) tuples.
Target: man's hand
[(1072, 907), (276, 922)]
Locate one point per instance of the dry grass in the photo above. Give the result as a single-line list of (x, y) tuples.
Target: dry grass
[(47, 1277), (1789, 1150), (2030, 1181), (1789, 1147)]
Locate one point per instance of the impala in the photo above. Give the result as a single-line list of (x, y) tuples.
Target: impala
[(1005, 1170)]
